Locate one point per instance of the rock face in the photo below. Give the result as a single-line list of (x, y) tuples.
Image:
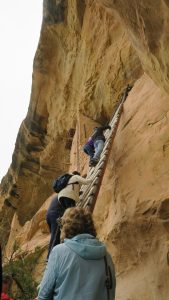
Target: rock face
[(82, 63), (132, 208), (147, 25), (88, 52)]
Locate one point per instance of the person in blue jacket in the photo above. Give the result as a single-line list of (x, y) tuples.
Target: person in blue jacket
[(76, 268)]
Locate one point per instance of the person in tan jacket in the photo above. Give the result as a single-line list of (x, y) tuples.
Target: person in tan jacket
[(66, 198), (71, 191)]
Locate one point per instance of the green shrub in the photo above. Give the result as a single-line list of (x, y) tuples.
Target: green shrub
[(21, 270)]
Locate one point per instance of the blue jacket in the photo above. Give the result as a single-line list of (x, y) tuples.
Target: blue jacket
[(76, 271)]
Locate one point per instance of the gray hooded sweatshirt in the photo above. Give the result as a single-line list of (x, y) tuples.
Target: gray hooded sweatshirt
[(76, 271)]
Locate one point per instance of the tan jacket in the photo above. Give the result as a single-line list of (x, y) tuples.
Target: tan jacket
[(72, 190)]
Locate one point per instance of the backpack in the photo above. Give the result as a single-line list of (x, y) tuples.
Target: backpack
[(61, 182)]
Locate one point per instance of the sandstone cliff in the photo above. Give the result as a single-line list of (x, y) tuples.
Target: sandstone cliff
[(88, 52)]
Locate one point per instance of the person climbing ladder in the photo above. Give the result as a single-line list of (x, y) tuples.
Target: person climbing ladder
[(98, 139), (67, 188), (88, 148)]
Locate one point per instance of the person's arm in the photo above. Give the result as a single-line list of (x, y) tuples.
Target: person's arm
[(49, 278), (81, 180)]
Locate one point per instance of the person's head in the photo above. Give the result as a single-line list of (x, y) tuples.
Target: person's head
[(6, 283), (76, 173), (76, 220)]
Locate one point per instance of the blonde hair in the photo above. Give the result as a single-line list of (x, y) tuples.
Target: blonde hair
[(77, 220)]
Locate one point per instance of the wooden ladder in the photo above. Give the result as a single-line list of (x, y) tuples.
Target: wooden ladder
[(90, 192)]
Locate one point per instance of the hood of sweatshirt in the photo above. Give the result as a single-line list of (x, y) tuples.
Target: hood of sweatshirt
[(86, 246)]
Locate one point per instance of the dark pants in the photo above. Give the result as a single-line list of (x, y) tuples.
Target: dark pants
[(89, 150), (54, 231), (51, 217)]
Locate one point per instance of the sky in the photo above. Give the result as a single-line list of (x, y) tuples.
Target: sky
[(20, 24)]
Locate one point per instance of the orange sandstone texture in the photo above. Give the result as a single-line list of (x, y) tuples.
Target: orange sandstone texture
[(147, 24), (88, 52), (83, 62), (132, 211)]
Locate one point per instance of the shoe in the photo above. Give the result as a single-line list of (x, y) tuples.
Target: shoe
[(91, 165), (93, 162)]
